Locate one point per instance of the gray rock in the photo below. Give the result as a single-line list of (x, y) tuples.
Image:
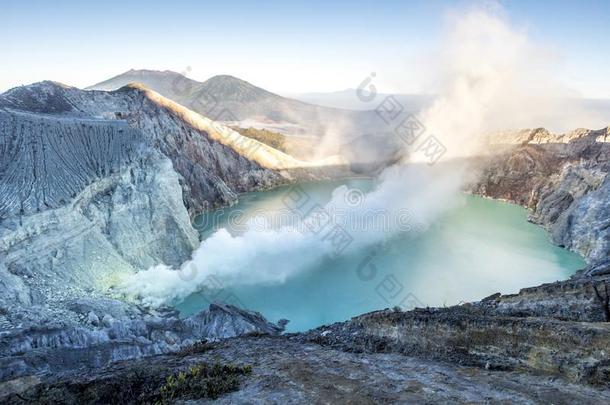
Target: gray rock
[(494, 335), (212, 173), (107, 320), (93, 319), (95, 186), (287, 371), (562, 178), (37, 348), (113, 308)]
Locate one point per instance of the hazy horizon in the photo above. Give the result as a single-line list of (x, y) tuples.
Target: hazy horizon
[(284, 48)]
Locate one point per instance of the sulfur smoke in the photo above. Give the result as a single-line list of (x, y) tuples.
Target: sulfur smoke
[(490, 77)]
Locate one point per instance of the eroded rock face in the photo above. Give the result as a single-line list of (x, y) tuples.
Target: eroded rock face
[(212, 172), (95, 186), (117, 225), (46, 161), (483, 335), (113, 331), (562, 178), (583, 226)]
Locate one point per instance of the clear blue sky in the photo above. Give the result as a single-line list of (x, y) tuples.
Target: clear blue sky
[(284, 46)]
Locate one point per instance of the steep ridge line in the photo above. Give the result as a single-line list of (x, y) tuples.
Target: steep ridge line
[(263, 154)]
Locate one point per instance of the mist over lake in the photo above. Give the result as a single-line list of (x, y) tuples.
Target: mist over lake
[(476, 249)]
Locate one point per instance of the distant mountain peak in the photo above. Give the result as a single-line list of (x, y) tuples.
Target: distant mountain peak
[(231, 88), (228, 98), (154, 79), (149, 71), (227, 80), (225, 77)]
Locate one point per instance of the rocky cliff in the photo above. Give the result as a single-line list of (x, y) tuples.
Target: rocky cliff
[(93, 187), (562, 178), (215, 163), (113, 331), (473, 353)]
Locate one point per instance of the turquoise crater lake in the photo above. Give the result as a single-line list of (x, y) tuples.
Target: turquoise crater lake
[(478, 248)]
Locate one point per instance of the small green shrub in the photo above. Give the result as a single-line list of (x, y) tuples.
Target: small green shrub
[(202, 381)]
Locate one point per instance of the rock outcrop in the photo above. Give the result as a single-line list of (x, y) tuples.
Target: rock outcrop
[(95, 186), (562, 178), (119, 224), (94, 180), (477, 335), (290, 370), (112, 331)]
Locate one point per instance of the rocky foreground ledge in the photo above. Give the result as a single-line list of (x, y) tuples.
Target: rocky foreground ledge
[(546, 344), (113, 331), (521, 348), (549, 344), (283, 370)]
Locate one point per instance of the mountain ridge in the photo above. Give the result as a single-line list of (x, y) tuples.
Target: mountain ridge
[(231, 99), (229, 83)]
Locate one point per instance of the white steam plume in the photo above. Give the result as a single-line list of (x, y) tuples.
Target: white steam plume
[(273, 255), (489, 71), (491, 77)]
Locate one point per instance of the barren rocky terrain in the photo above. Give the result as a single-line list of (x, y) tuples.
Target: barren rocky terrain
[(97, 185), (286, 370)]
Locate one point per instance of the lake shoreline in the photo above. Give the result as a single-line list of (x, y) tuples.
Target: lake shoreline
[(481, 224)]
